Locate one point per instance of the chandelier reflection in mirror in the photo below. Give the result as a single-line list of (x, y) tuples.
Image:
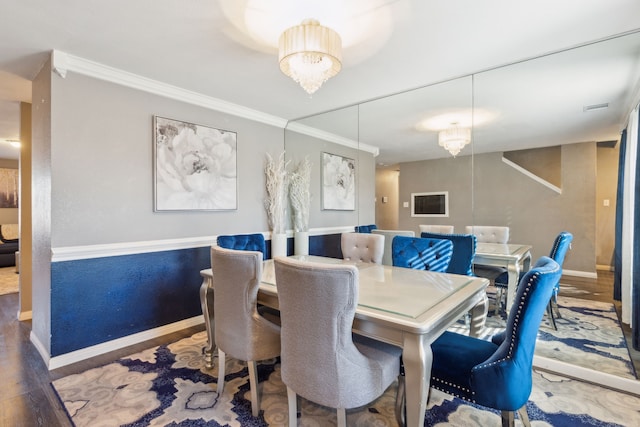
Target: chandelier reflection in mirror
[(310, 54), (454, 138)]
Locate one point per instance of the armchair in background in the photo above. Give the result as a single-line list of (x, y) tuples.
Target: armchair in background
[(442, 229), (362, 247), (387, 258), (365, 228), (561, 244), (422, 254)]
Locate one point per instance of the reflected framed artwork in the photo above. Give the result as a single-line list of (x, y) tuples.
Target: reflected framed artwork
[(338, 182), (8, 188), (195, 167)]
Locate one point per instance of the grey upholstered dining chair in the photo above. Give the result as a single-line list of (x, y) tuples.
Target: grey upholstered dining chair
[(321, 360), (387, 258), (488, 233), (362, 247), (440, 229), (240, 330)]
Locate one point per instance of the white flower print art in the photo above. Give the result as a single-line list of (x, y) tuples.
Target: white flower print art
[(338, 182), (195, 167)]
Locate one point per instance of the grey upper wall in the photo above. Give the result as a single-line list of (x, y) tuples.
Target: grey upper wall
[(503, 196), (298, 146), (102, 166)]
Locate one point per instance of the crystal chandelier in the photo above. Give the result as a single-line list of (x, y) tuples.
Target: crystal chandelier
[(310, 54), (454, 138)]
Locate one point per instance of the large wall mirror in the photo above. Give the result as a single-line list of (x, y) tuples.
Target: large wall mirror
[(542, 159)]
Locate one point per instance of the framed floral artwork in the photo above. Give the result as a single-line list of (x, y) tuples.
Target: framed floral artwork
[(338, 182), (195, 167)]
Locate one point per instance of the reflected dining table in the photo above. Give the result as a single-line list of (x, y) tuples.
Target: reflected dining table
[(405, 307), (515, 258)]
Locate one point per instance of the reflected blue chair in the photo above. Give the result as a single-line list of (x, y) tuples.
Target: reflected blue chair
[(561, 244), (365, 228), (421, 254), (464, 250), (498, 374), (244, 242)]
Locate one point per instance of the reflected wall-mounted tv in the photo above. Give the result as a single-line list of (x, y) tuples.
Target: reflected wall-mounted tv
[(435, 204)]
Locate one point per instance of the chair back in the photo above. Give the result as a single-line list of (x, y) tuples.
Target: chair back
[(504, 380), (488, 233), (243, 242), (365, 228), (320, 362), (464, 249), (362, 247), (387, 259), (561, 245), (442, 229), (421, 254), (240, 331)]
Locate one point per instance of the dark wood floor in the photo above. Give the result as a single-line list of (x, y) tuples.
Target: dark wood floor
[(27, 398)]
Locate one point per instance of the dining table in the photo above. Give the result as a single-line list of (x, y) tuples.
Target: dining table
[(514, 257), (401, 306)]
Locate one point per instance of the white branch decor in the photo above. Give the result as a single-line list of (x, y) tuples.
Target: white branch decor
[(300, 195), (276, 182)]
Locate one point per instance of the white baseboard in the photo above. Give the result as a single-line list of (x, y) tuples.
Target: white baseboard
[(25, 315), (576, 273), (614, 382), (96, 350)]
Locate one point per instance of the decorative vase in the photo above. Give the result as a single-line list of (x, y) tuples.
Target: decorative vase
[(278, 244), (301, 243)]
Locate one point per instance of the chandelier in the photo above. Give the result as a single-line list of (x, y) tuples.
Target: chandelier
[(310, 54), (454, 138)]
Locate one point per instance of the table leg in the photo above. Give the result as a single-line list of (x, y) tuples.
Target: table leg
[(478, 317), (417, 358), (513, 269), (206, 301)]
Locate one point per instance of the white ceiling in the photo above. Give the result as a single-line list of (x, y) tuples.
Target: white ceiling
[(193, 45)]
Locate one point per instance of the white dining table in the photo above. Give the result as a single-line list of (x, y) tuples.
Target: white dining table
[(514, 257), (405, 307)]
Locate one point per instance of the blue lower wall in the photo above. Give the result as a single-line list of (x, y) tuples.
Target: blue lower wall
[(101, 299)]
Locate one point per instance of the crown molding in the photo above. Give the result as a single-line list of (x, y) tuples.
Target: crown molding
[(62, 62), (331, 137)]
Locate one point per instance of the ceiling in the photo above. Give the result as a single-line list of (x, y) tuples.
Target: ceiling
[(390, 47)]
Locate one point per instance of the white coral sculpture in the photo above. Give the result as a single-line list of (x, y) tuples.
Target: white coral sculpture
[(299, 194), (275, 202)]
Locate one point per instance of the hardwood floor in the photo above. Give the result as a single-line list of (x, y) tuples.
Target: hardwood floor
[(601, 289), (27, 398)]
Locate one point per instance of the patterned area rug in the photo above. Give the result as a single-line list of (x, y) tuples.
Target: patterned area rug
[(8, 280), (589, 335), (170, 386)]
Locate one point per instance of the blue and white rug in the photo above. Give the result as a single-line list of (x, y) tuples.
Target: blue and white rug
[(589, 335), (170, 386)]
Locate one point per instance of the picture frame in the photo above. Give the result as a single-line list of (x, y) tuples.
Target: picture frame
[(338, 182), (9, 188), (430, 204), (194, 167)]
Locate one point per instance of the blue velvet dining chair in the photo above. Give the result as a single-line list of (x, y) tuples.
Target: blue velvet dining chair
[(421, 254), (365, 228), (498, 374), (464, 250), (243, 242), (561, 244)]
